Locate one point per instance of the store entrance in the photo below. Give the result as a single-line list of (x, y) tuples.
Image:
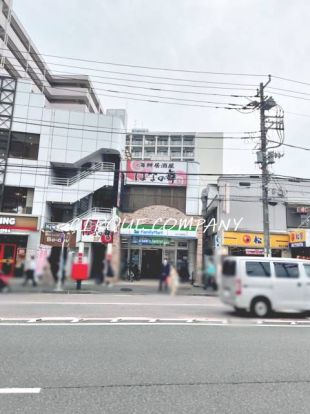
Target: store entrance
[(7, 258), (151, 263), (98, 255)]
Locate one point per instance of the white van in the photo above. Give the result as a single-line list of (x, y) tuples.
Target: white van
[(261, 285)]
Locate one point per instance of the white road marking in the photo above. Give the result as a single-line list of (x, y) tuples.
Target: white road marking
[(211, 305), (138, 321), (20, 390)]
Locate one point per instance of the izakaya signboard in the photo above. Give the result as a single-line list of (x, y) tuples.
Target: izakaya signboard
[(159, 231), (164, 173)]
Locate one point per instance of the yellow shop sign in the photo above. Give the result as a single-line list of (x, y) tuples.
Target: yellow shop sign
[(298, 238), (237, 239)]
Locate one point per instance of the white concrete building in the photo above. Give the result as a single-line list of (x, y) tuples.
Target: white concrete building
[(59, 152)]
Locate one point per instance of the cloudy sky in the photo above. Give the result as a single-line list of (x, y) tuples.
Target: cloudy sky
[(254, 37)]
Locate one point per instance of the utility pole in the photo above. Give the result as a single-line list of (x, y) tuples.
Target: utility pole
[(265, 171), (264, 155)]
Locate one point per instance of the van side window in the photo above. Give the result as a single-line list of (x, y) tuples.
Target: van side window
[(286, 270), (307, 269), (229, 268), (258, 269)]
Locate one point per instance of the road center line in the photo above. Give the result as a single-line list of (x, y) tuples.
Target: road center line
[(20, 390)]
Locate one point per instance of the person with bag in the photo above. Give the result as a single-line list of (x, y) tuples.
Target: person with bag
[(163, 278), (30, 271)]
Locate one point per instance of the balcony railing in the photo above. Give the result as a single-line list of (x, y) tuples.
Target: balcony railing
[(73, 224), (67, 182)]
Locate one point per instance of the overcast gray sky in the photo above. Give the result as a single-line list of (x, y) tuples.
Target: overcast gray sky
[(241, 36)]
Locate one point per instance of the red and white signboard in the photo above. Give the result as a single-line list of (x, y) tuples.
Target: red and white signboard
[(95, 231), (163, 173), (254, 252)]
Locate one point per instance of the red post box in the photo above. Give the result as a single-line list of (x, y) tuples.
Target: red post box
[(79, 269)]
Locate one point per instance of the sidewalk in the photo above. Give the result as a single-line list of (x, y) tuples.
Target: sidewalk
[(141, 287)]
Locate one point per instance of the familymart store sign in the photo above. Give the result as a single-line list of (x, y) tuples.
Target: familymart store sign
[(159, 231)]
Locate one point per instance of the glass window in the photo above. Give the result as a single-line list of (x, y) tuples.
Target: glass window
[(150, 140), (188, 140), (286, 270), (162, 151), (162, 140), (136, 140), (24, 145), (229, 268), (260, 269), (3, 143), (307, 269), (176, 140), (18, 200)]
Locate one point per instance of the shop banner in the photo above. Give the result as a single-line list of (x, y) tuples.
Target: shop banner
[(10, 223), (236, 239), (163, 173), (95, 231), (158, 230), (299, 238), (55, 238), (151, 241), (254, 252)]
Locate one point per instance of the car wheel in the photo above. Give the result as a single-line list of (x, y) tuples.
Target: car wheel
[(260, 307)]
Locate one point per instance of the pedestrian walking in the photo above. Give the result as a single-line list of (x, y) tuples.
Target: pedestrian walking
[(165, 272), (174, 280), (30, 270), (47, 278), (109, 273), (4, 283), (209, 277), (184, 272), (54, 266), (19, 267)]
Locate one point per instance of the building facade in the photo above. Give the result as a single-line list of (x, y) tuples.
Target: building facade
[(67, 169), (60, 154), (161, 199), (234, 216)]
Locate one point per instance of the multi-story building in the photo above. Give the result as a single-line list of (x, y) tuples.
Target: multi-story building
[(163, 177), (234, 216), (60, 153), (204, 148), (60, 157)]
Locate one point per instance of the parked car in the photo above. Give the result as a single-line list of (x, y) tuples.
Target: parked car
[(262, 285)]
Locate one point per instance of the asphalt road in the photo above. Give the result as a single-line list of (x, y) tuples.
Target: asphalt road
[(148, 354), (39, 305), (155, 369)]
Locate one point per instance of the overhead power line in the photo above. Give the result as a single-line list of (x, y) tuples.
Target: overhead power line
[(155, 68), (89, 128)]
